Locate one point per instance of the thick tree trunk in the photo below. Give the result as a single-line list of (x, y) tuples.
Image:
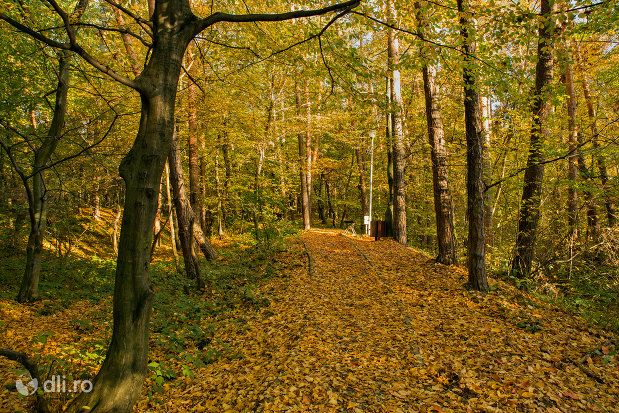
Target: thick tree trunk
[(476, 256), (528, 220), (397, 114), (303, 165), (119, 381), (599, 156)]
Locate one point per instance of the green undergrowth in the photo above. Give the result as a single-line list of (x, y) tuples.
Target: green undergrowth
[(588, 288), (184, 322)]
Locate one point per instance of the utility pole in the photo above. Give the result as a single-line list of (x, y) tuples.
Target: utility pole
[(369, 219)]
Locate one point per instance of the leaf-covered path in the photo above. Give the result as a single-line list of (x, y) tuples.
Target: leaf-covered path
[(378, 327)]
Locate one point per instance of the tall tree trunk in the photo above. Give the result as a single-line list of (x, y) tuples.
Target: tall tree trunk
[(96, 202), (397, 113), (593, 225), (321, 199), (203, 215), (303, 165), (486, 110), (528, 220), (133, 57), (116, 222), (476, 256), (443, 204), (184, 214), (37, 194), (572, 170), (192, 146), (308, 147), (218, 189), (119, 380), (157, 225), (388, 217), (171, 214), (258, 208), (599, 156), (118, 383)]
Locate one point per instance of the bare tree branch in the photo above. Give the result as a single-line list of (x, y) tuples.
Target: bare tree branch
[(206, 22)]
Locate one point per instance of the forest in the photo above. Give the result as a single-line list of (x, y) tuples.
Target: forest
[(363, 206)]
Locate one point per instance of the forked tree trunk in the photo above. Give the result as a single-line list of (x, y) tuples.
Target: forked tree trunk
[(119, 381), (476, 256), (528, 220), (397, 114)]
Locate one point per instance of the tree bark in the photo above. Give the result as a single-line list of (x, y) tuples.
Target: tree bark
[(486, 110), (397, 113), (599, 156), (572, 169), (443, 205), (593, 224), (528, 220), (192, 146), (184, 215), (476, 257), (37, 194), (303, 165), (171, 214), (119, 381)]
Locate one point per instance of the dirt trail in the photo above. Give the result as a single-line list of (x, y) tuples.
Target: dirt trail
[(379, 328)]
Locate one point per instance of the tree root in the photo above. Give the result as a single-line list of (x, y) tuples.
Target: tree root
[(22, 358)]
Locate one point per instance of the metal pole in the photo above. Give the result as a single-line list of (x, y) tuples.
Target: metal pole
[(372, 135)]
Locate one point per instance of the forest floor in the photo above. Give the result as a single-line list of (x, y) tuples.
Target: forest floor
[(361, 326)]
